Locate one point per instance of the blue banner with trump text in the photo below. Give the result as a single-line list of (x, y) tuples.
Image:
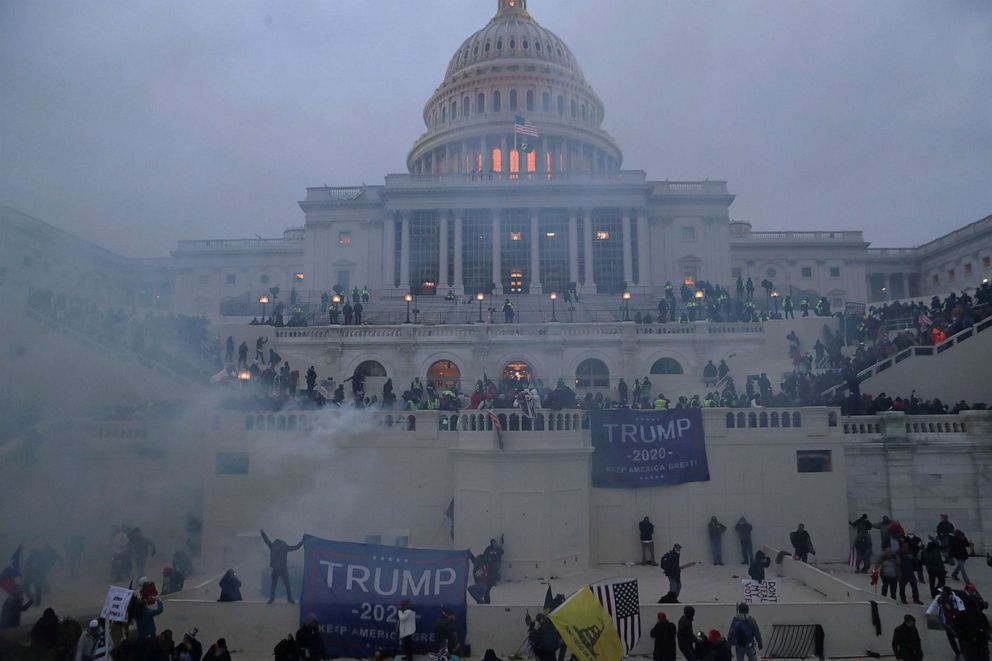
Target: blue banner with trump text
[(635, 448), (355, 590)]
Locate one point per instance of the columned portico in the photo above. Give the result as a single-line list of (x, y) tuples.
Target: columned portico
[(643, 259), (405, 251), (442, 271), (497, 255), (628, 263), (389, 252), (573, 246), (589, 284)]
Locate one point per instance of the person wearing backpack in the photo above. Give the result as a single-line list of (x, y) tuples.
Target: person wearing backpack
[(744, 635)]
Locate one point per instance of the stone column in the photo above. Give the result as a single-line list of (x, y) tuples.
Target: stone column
[(628, 259), (458, 285), (643, 251), (535, 255), (542, 167), (573, 247), (487, 156), (497, 254), (442, 261), (389, 252), (504, 159), (405, 250), (890, 292), (462, 157), (590, 285)]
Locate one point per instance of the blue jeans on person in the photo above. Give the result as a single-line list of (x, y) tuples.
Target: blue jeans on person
[(747, 551), (863, 561), (751, 651), (717, 549), (674, 586), (959, 568)]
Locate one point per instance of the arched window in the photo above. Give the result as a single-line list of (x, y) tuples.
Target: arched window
[(585, 112), (530, 100), (513, 99), (370, 368), (444, 114), (466, 102), (561, 105), (480, 103), (573, 108), (487, 47), (518, 370), (499, 44), (496, 101), (592, 373), (454, 109), (666, 366), (513, 44), (525, 44), (443, 374), (546, 102)]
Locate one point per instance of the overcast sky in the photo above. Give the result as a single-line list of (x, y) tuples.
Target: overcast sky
[(137, 123)]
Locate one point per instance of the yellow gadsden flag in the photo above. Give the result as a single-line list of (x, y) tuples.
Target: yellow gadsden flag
[(587, 629)]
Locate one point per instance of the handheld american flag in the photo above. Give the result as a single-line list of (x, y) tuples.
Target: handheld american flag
[(621, 601)]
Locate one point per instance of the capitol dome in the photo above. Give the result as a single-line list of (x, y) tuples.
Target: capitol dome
[(513, 68)]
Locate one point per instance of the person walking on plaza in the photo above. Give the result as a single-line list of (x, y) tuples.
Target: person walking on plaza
[(646, 529), (279, 564), (907, 574), (906, 645), (959, 549), (259, 349), (243, 354), (716, 530), (86, 644), (933, 561), (744, 634), (945, 529), (664, 634), (888, 572), (673, 570), (406, 624), (948, 607), (685, 635), (308, 639), (743, 529), (801, 543)]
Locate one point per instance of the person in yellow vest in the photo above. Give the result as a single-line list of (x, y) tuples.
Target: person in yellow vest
[(660, 404)]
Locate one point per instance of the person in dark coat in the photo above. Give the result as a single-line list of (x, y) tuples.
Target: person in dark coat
[(218, 652), (758, 566), (279, 564), (445, 634), (349, 312), (801, 543), (543, 637), (906, 644), (13, 606), (308, 639), (190, 649), (719, 649), (685, 636), (145, 614), (743, 528), (664, 634), (230, 587), (45, 632), (646, 530)]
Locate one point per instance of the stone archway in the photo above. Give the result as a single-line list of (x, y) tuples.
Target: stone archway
[(444, 374)]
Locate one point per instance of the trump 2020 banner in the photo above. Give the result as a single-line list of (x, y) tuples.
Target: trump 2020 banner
[(633, 448), (355, 591)]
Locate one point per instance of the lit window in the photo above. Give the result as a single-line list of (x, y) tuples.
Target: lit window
[(689, 273), (807, 272), (834, 271), (688, 233), (602, 235), (813, 461), (344, 238), (515, 236), (298, 277), (532, 161), (514, 161), (497, 160)]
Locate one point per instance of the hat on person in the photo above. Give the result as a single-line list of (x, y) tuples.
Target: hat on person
[(661, 616), (191, 634), (404, 603), (94, 624), (970, 588), (714, 635)]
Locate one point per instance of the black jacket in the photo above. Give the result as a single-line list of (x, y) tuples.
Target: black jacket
[(906, 643), (664, 634), (686, 637)]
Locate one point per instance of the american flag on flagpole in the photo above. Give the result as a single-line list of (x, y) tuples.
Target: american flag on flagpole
[(620, 599), (523, 126)]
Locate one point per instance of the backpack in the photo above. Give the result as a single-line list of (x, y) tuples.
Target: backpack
[(742, 634), (669, 564)]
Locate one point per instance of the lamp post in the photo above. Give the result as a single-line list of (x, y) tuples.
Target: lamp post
[(554, 297), (701, 311), (408, 297), (625, 296), (335, 311), (479, 296), (264, 300), (775, 294)]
